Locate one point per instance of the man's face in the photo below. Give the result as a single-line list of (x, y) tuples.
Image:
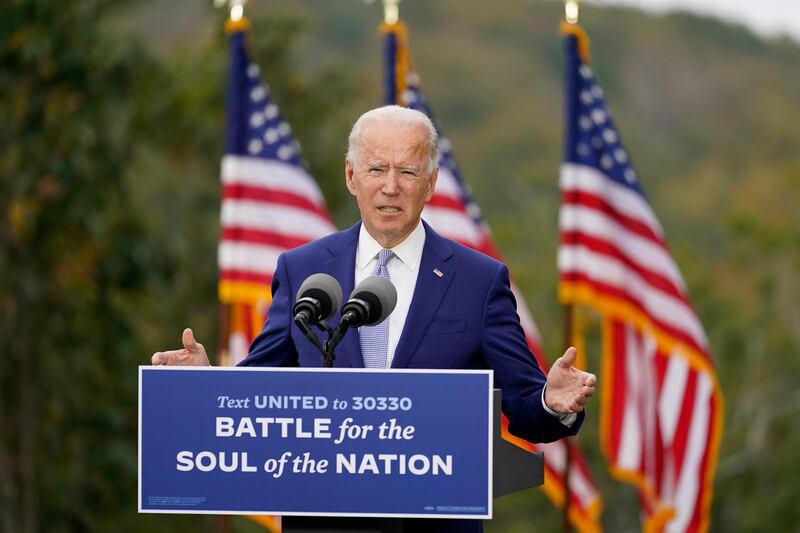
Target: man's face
[(390, 180)]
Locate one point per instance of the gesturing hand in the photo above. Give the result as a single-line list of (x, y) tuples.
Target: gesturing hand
[(192, 354), (568, 388)]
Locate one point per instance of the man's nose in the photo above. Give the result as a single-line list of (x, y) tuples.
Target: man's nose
[(391, 183)]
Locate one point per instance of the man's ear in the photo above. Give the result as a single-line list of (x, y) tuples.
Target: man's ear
[(348, 177), (432, 183)]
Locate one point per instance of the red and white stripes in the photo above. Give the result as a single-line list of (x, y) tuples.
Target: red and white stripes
[(661, 406), (611, 239), (268, 207), (659, 427)]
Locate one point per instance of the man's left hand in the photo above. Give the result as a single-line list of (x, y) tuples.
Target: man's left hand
[(568, 389)]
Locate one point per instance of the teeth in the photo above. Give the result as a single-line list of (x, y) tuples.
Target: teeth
[(389, 209)]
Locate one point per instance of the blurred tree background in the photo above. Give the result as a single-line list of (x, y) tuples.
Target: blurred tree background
[(111, 133)]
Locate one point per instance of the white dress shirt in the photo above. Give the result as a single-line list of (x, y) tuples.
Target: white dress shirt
[(403, 270)]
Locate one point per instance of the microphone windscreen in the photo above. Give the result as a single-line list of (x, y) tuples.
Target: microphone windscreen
[(325, 289), (381, 295)]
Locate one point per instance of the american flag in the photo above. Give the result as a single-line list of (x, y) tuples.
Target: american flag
[(453, 212), (661, 406), (270, 203)]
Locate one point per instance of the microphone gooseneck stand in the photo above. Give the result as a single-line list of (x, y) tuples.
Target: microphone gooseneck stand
[(355, 313), (349, 318), (325, 348)]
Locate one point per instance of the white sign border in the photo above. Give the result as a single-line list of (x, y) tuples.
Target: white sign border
[(490, 392)]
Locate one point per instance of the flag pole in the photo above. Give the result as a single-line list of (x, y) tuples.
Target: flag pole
[(236, 21), (571, 11), (565, 524), (224, 309)]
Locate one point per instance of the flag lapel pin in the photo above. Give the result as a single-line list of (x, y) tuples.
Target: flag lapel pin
[(438, 272)]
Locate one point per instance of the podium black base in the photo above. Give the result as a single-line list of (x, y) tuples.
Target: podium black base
[(317, 524), (321, 524)]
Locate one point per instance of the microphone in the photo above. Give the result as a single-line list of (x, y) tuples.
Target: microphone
[(370, 303), (317, 299)]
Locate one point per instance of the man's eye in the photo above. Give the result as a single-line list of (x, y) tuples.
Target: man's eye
[(375, 171)]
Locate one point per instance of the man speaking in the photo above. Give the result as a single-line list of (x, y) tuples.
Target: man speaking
[(454, 306)]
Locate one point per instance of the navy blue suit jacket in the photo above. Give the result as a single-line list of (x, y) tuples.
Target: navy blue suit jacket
[(464, 319)]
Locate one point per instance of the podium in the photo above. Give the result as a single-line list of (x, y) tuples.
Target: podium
[(329, 450), (514, 469)]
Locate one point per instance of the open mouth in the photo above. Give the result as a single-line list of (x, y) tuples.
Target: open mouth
[(389, 209)]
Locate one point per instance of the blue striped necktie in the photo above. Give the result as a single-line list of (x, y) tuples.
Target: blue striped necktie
[(375, 339)]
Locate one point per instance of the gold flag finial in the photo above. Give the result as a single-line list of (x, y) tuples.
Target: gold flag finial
[(571, 9)]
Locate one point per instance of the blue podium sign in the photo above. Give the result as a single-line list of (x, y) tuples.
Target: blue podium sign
[(329, 442)]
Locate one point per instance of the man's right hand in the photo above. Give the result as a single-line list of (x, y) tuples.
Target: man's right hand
[(192, 354)]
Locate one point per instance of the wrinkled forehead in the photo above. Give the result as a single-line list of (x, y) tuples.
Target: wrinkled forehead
[(393, 143)]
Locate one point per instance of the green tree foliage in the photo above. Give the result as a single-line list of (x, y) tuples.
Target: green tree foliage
[(109, 157), (73, 254)]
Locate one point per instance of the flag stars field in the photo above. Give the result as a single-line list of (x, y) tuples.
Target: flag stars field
[(599, 116), (258, 93), (268, 135), (254, 146), (257, 120), (271, 135), (598, 142), (285, 151)]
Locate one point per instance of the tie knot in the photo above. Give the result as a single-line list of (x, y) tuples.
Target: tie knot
[(384, 257)]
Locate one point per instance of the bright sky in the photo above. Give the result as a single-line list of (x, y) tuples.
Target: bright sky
[(765, 17)]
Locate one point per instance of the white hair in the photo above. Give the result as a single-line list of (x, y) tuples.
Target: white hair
[(397, 116)]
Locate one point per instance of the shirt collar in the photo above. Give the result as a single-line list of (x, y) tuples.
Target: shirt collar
[(409, 251)]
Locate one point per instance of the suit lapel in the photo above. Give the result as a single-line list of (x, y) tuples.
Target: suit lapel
[(341, 265), (433, 280)]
